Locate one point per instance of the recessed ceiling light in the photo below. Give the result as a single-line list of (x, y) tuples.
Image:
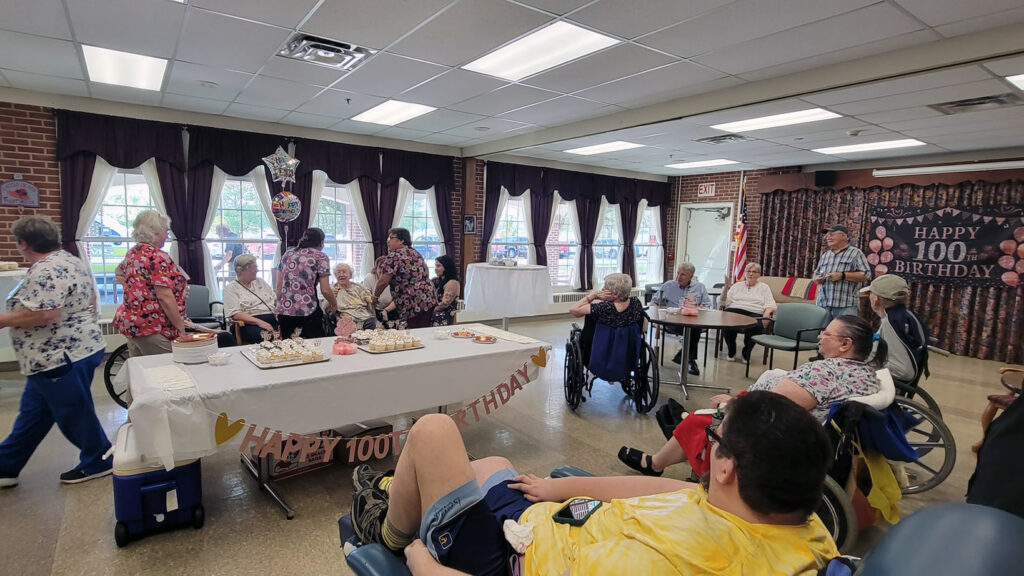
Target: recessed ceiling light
[(482, 128), (1017, 80), (124, 68), (208, 84), (701, 164), (840, 150), (947, 168), (546, 48), (602, 148), (393, 112), (812, 115)]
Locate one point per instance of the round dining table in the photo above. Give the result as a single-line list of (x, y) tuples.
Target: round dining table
[(507, 291)]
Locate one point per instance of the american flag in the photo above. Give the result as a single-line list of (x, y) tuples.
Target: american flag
[(740, 236)]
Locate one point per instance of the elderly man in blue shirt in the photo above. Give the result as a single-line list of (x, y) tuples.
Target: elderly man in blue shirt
[(672, 294)]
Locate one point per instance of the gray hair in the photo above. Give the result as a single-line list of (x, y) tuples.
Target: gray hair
[(39, 233), (618, 284), (754, 267), (148, 225), (243, 262), (686, 266), (343, 265)]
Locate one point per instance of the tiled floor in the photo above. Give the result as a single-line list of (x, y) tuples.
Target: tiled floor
[(49, 528)]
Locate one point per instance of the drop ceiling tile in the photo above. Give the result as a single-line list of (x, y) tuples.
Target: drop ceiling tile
[(914, 83), (39, 17), (453, 86), (440, 120), (147, 27), (1015, 119), (787, 133), (371, 23), (3, 81), (864, 26), (748, 112), (125, 94), (504, 99), (559, 111), (400, 133), (702, 88), (788, 158), (493, 125), (900, 115), (339, 104), (446, 139), (663, 81), (386, 75), (612, 64), (255, 112), (309, 120), (744, 20), (923, 97), (938, 13), (964, 146), (469, 30), (1011, 131), (274, 93), (193, 104), (804, 139), (981, 23), (632, 19), (674, 137), (1006, 66), (225, 42), (187, 78), (286, 14), (353, 127), (896, 153), (301, 72), (556, 6), (40, 83), (879, 135), (39, 55)]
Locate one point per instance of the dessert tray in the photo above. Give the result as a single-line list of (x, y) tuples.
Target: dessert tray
[(484, 339), (384, 341), (463, 334), (283, 353)]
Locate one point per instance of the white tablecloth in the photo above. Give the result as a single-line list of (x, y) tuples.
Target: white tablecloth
[(179, 424), (508, 291)]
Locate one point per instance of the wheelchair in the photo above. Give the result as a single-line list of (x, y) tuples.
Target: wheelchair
[(115, 361), (639, 374)]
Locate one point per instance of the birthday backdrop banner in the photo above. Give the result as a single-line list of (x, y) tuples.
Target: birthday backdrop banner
[(962, 246)]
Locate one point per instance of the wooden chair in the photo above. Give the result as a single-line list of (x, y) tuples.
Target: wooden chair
[(1010, 375)]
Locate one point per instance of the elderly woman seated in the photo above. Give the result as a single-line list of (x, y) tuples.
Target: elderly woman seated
[(612, 307), (751, 298), (250, 300), (354, 300)]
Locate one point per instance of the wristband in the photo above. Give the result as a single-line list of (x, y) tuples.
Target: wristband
[(844, 276)]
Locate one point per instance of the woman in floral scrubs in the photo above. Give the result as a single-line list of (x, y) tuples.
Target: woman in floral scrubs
[(302, 270), (405, 271)]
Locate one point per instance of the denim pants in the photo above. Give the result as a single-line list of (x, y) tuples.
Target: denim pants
[(62, 396), (833, 313)]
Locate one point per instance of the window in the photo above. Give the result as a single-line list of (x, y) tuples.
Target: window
[(109, 235), (562, 246), (648, 248), (608, 245), (344, 239), (419, 221), (511, 233), (241, 225)]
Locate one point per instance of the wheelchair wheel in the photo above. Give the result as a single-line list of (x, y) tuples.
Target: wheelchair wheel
[(837, 514), (930, 436), (645, 381), (924, 398), (573, 374), (114, 364)]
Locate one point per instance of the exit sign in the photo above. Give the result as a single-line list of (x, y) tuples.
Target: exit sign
[(706, 190)]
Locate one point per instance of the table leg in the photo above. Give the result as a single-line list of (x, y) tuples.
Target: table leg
[(504, 323), (684, 365), (259, 467)]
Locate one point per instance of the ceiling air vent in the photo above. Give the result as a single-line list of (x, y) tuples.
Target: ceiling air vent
[(725, 139), (337, 55), (1007, 100)]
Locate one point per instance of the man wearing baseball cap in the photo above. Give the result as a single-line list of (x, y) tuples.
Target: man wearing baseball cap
[(841, 271), (902, 331)]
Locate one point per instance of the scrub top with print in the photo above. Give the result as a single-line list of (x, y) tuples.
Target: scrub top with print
[(411, 288), (301, 270), (60, 280), (144, 268), (830, 380)]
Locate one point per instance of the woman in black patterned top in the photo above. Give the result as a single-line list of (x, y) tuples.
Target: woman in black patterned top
[(613, 305)]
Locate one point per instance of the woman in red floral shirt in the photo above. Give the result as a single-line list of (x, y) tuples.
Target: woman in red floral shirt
[(405, 271), (153, 311)]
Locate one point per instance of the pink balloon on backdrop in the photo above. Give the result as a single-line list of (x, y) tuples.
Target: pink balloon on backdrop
[(880, 232), (875, 245), (1011, 278), (1019, 267), (1018, 234), (1007, 262), (1008, 246), (881, 269), (887, 243), (886, 257), (872, 259), (1020, 251)]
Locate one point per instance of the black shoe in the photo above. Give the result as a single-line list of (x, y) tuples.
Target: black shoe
[(678, 357), (77, 476), (369, 512), (634, 459), (693, 368), (746, 355), (365, 477)]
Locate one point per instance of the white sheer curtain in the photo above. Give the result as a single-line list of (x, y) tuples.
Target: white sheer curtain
[(405, 195), (531, 255), (319, 183), (219, 177), (434, 220), (502, 201), (156, 193), (597, 234), (574, 221), (102, 176), (259, 180), (360, 213), (655, 254)]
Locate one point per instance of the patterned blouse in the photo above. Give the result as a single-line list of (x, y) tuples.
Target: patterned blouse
[(144, 268), (301, 270), (354, 301), (60, 280), (829, 381), (447, 301), (410, 282), (606, 313)]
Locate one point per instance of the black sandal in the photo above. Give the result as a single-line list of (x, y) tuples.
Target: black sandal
[(634, 459)]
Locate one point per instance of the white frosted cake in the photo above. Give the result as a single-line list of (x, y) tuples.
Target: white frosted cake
[(193, 348)]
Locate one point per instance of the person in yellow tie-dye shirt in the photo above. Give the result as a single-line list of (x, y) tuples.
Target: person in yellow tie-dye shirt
[(753, 516)]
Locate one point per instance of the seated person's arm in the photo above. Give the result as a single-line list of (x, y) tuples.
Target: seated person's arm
[(582, 307), (604, 488), (250, 319), (421, 563), (451, 292), (796, 393)]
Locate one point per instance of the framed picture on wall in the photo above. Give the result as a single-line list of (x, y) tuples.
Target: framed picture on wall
[(19, 193), (469, 224)]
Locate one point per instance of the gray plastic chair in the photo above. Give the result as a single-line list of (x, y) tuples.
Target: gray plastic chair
[(796, 328), (199, 308)]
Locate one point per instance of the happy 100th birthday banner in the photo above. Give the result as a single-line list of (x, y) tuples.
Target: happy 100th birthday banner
[(964, 246)]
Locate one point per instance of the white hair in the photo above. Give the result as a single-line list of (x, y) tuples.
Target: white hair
[(243, 262), (619, 284), (148, 225), (686, 266)]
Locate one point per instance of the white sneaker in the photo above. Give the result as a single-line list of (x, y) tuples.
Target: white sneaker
[(8, 482), (730, 358)]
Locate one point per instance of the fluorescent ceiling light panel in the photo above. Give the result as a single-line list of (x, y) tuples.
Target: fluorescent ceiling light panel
[(1017, 80), (840, 150), (602, 148), (546, 48), (393, 112), (973, 167), (701, 164), (124, 68), (774, 121)]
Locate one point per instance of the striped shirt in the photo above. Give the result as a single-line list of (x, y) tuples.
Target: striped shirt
[(841, 294)]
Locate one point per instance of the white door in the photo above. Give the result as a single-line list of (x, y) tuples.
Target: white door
[(705, 234)]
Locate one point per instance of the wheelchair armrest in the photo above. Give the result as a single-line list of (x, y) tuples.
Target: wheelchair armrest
[(376, 560), (575, 326)]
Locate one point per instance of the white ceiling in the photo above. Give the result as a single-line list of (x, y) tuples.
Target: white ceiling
[(223, 62)]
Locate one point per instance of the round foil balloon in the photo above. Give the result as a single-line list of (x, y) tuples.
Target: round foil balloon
[(286, 206)]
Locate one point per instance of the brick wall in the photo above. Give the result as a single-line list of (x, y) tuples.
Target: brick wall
[(28, 146), (458, 195), (727, 189)]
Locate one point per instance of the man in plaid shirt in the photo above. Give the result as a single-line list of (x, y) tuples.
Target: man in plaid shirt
[(842, 271)]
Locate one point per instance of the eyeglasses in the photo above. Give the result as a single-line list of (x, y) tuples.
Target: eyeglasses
[(839, 336)]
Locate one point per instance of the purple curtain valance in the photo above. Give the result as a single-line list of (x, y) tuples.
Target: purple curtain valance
[(423, 171), (343, 163), (122, 142), (234, 152)]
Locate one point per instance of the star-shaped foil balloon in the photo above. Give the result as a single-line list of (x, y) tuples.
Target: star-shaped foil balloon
[(282, 166)]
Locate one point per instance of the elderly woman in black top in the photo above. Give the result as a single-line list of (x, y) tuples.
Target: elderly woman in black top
[(612, 305)]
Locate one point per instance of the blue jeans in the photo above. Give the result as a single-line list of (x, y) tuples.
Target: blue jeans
[(833, 313), (60, 396)]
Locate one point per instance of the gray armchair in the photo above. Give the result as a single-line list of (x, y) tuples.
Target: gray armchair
[(796, 328)]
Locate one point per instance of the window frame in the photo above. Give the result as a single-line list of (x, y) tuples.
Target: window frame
[(522, 251), (572, 248), (654, 225), (351, 220), (212, 239), (430, 250)]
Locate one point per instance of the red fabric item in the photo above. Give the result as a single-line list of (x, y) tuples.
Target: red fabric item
[(788, 288), (690, 435), (812, 291)]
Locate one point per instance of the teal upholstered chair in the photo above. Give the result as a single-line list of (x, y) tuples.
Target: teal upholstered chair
[(796, 328)]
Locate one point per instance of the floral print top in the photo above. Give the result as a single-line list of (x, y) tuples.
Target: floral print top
[(447, 302), (60, 280), (829, 381), (301, 270), (354, 301), (411, 288), (144, 268)]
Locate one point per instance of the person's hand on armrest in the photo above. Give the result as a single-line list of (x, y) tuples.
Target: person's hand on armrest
[(421, 563), (769, 313)]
